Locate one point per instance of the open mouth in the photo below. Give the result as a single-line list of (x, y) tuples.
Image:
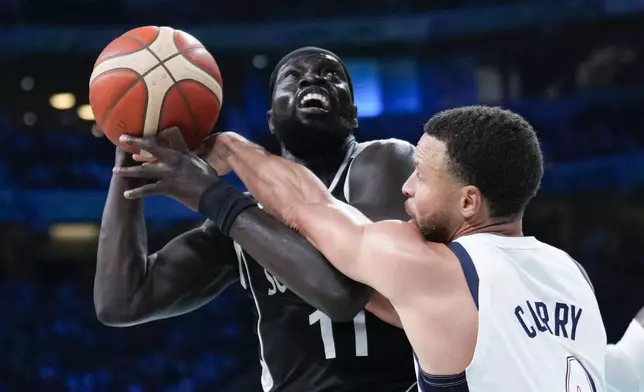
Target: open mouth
[(314, 103)]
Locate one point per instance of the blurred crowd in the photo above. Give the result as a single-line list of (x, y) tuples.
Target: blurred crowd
[(607, 125), (52, 341), (200, 11)]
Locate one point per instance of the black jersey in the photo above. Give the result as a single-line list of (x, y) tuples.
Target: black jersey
[(302, 350)]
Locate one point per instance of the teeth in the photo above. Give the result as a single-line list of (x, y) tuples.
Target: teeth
[(317, 96)]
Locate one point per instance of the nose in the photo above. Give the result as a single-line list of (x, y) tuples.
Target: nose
[(408, 187), (312, 79)]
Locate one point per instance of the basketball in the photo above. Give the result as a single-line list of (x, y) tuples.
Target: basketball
[(152, 78)]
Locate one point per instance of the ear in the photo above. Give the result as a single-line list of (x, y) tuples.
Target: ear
[(269, 118), (471, 201)]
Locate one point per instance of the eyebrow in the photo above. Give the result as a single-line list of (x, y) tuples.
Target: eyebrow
[(322, 61), (335, 66), (286, 68)]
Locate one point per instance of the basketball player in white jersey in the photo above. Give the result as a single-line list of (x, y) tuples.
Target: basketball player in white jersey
[(485, 308), (624, 360)]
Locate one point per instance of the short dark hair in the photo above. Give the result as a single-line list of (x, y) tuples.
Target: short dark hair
[(495, 150)]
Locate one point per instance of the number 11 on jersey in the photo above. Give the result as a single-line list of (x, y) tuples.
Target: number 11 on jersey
[(326, 329)]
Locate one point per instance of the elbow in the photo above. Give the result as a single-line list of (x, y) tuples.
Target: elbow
[(107, 317), (344, 305), (341, 315), (114, 316), (337, 296)]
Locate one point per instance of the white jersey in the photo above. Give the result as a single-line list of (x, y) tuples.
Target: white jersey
[(625, 361), (540, 329)]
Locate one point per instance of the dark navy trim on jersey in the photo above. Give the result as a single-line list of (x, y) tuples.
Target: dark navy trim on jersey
[(471, 276), (588, 376), (429, 383)]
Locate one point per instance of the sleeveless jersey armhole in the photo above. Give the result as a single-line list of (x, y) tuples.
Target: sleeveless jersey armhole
[(471, 276), (456, 382)]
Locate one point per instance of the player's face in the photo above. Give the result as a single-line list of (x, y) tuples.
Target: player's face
[(433, 192), (312, 109)]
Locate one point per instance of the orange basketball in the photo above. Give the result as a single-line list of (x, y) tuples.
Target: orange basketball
[(152, 78)]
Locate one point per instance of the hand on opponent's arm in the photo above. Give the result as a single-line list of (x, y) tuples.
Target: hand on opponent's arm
[(384, 255)]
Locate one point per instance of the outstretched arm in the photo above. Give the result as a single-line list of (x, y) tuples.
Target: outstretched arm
[(300, 266), (367, 252)]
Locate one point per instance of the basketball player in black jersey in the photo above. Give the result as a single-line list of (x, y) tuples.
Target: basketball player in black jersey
[(314, 334)]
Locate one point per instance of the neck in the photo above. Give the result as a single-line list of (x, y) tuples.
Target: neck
[(324, 163), (508, 227)]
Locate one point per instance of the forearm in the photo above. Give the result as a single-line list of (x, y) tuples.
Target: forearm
[(382, 308), (292, 194), (122, 251), (131, 287), (301, 267), (296, 262), (280, 186)]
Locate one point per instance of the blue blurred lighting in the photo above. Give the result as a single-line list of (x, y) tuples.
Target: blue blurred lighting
[(401, 86), (365, 75)]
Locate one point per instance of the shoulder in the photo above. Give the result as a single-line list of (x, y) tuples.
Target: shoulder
[(406, 238), (398, 248), (376, 176), (395, 149), (400, 230), (389, 157)]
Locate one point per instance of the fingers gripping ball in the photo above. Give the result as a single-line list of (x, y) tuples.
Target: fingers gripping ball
[(153, 78)]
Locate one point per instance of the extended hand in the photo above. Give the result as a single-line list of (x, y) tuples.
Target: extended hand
[(178, 173)]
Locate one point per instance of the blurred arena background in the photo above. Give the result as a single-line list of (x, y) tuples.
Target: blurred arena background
[(574, 68)]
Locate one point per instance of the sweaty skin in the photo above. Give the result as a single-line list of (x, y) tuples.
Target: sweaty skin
[(313, 117), (390, 256), (131, 287), (371, 253)]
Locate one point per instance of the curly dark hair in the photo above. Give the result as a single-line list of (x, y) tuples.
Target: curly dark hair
[(495, 150)]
